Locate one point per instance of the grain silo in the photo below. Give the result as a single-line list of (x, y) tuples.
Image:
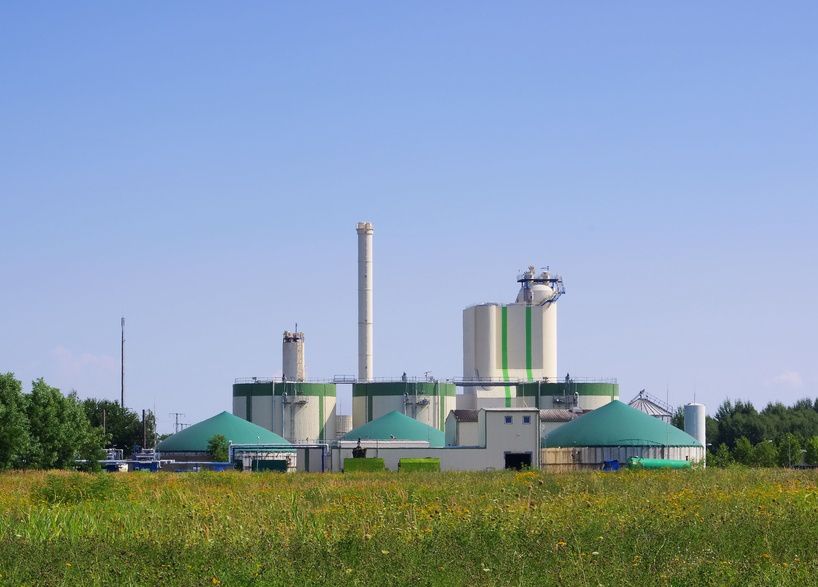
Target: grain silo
[(426, 401), (508, 343)]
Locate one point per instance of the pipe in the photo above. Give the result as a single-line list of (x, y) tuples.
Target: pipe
[(365, 367)]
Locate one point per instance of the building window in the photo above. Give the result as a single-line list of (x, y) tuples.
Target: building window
[(526, 419), (509, 420)]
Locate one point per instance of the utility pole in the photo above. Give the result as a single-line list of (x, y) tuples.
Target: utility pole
[(122, 367), (176, 425)]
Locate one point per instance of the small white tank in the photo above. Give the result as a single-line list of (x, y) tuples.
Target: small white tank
[(695, 422)]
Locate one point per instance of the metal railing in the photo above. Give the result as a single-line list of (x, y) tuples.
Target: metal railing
[(459, 381), (240, 380), (470, 381)]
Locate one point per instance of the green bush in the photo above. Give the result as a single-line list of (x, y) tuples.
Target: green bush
[(367, 465), (424, 464)]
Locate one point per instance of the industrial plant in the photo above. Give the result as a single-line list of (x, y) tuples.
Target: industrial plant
[(510, 408)]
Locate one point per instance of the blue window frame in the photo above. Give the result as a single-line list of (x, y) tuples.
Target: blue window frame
[(526, 419), (509, 420)]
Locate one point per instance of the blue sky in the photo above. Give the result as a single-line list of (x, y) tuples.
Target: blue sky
[(199, 167)]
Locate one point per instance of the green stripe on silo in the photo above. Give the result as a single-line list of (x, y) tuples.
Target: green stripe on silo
[(528, 343), (504, 341), (321, 401), (504, 350), (441, 399)]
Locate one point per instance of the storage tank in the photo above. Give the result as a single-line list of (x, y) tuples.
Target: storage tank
[(616, 432), (299, 411), (695, 422), (426, 401), (514, 342), (585, 394)]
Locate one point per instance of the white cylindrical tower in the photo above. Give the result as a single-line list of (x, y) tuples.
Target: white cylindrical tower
[(365, 230), (293, 356), (695, 422)]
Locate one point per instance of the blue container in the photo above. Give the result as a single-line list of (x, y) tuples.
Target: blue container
[(610, 465)]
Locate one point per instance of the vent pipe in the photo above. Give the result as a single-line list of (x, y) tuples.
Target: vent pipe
[(365, 230)]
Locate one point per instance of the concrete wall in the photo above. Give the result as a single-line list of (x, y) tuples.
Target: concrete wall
[(461, 433), (547, 428), (312, 460), (451, 458), (514, 437)]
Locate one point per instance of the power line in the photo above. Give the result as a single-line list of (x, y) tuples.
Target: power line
[(177, 423)]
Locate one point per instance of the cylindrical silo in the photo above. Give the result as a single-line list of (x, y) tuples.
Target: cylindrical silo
[(300, 412), (365, 312), (513, 342), (695, 422), (568, 394), (293, 356), (426, 401)]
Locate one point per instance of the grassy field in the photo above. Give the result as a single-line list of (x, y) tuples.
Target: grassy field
[(719, 527)]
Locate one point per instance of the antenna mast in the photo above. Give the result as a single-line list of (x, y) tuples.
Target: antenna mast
[(122, 367)]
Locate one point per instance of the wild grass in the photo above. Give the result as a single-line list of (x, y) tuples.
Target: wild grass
[(711, 527)]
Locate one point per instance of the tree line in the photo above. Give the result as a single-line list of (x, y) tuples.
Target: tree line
[(44, 429), (778, 435)]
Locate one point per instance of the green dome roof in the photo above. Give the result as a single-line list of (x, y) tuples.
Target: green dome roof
[(397, 426), (236, 430), (617, 424)]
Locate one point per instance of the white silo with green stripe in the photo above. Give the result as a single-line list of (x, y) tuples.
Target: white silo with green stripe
[(424, 400), (301, 412), (507, 344)]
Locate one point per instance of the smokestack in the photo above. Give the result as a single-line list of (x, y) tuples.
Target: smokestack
[(365, 230), (293, 358)]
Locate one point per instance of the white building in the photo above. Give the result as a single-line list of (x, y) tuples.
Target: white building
[(507, 438)]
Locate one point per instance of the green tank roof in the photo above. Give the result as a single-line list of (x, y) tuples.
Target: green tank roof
[(397, 426), (617, 424), (236, 430)]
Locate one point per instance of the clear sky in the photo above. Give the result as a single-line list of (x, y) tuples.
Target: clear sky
[(198, 167)]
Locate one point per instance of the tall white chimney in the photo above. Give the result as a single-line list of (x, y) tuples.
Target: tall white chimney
[(293, 356), (365, 230)]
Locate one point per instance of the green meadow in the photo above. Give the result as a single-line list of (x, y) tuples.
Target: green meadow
[(699, 527)]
